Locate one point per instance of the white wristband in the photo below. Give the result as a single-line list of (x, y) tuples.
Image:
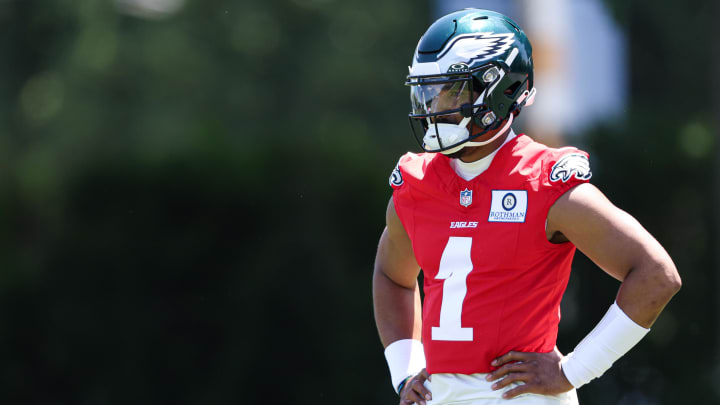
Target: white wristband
[(404, 357), (614, 336)]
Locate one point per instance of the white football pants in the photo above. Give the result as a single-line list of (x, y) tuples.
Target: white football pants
[(462, 389)]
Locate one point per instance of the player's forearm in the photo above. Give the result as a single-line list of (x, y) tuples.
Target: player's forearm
[(397, 310), (647, 289)]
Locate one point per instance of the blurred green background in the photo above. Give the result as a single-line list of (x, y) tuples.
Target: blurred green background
[(190, 201)]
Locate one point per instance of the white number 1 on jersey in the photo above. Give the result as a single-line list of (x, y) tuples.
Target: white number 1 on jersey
[(455, 265)]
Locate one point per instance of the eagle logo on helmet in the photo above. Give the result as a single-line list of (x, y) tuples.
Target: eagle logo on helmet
[(571, 164), (478, 47)]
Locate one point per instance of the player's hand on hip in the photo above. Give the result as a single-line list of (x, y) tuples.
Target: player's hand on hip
[(538, 373), (414, 390)]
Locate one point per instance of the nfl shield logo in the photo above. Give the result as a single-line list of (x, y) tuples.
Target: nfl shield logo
[(465, 198)]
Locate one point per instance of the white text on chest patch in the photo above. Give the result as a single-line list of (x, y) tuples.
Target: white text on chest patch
[(463, 224), (508, 206)]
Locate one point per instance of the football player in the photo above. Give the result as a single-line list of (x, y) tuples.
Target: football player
[(493, 220)]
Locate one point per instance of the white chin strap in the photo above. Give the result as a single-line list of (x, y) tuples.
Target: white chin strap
[(452, 134)]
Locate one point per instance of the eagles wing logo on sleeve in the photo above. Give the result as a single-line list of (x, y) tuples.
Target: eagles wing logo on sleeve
[(477, 47), (396, 177), (571, 164)]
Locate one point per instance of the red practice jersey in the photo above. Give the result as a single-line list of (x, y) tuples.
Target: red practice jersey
[(493, 282)]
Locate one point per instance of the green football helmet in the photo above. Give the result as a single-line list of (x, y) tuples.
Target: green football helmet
[(471, 71)]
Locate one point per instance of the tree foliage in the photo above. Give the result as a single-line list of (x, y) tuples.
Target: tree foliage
[(190, 205)]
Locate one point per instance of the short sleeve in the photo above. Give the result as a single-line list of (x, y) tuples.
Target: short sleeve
[(396, 178), (564, 169)]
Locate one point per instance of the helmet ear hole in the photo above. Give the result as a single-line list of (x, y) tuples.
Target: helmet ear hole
[(512, 90)]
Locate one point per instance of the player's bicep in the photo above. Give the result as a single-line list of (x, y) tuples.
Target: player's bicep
[(609, 236), (395, 258)]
